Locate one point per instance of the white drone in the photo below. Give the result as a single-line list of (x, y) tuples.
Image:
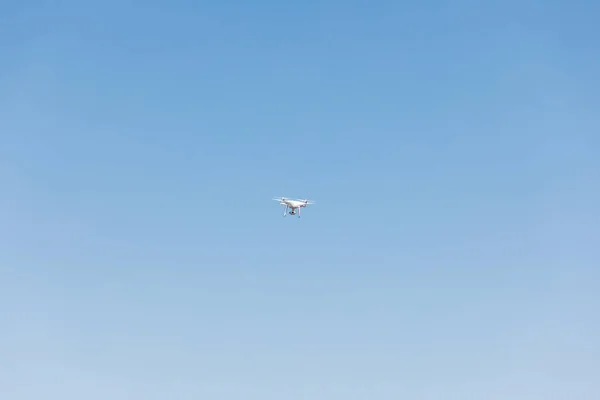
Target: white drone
[(293, 205)]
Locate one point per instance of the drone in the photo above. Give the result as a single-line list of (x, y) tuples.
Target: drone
[(293, 205)]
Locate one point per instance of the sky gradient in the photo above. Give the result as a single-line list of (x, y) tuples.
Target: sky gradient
[(452, 150)]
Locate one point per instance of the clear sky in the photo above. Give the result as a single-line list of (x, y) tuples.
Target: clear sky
[(452, 150)]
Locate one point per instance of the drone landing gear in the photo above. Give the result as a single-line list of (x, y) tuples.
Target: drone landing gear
[(292, 211)]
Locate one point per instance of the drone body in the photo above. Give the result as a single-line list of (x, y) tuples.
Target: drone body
[(293, 206)]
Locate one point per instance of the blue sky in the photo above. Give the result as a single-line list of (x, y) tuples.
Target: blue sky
[(451, 150)]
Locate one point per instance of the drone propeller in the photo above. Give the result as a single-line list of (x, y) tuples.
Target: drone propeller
[(308, 201)]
